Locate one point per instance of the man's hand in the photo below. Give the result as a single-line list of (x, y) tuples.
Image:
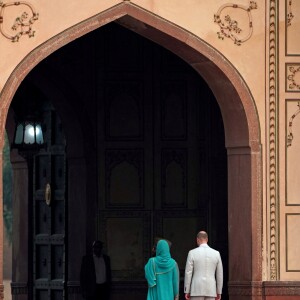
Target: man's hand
[(187, 296), (218, 297)]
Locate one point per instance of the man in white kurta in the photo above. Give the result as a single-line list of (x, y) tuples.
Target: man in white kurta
[(203, 272)]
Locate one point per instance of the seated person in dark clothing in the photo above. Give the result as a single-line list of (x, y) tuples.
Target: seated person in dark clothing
[(95, 274)]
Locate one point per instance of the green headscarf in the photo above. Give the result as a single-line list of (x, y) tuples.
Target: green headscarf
[(160, 264)]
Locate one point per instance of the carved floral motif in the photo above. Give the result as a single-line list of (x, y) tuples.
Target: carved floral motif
[(290, 15), (23, 23), (290, 136), (229, 27), (293, 70)]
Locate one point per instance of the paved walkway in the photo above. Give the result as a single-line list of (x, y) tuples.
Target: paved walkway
[(7, 295)]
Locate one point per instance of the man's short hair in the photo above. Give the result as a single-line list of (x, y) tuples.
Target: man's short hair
[(202, 235)]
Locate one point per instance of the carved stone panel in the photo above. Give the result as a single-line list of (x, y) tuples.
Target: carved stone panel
[(174, 177), (292, 152), (292, 77), (173, 110), (181, 228), (292, 27), (292, 242), (126, 235), (124, 178), (123, 110)]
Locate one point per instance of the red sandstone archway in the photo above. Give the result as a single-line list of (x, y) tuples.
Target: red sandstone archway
[(240, 122)]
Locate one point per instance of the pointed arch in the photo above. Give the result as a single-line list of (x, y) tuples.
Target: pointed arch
[(241, 123)]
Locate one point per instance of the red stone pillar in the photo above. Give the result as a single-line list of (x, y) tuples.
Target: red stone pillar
[(244, 223), (1, 224)]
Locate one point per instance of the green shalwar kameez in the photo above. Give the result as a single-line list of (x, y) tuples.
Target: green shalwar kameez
[(162, 274)]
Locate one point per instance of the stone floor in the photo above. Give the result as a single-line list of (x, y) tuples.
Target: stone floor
[(7, 295)]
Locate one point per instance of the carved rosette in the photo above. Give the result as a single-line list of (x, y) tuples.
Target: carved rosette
[(292, 73), (22, 24), (230, 28), (290, 136)]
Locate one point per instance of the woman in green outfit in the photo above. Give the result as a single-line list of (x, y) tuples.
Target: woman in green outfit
[(162, 274)]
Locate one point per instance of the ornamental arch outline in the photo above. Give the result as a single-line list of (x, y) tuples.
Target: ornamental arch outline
[(240, 118)]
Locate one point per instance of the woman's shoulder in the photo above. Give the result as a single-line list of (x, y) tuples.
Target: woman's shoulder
[(150, 261)]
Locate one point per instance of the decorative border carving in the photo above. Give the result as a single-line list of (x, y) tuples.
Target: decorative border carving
[(292, 70), (290, 135), (229, 27), (22, 25), (289, 15), (273, 95)]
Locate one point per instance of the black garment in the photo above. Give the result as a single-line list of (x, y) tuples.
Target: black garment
[(90, 290)]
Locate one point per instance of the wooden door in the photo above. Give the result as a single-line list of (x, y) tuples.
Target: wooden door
[(155, 145), (49, 213)]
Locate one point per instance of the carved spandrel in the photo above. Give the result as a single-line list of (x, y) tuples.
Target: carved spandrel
[(235, 22), (25, 16)]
